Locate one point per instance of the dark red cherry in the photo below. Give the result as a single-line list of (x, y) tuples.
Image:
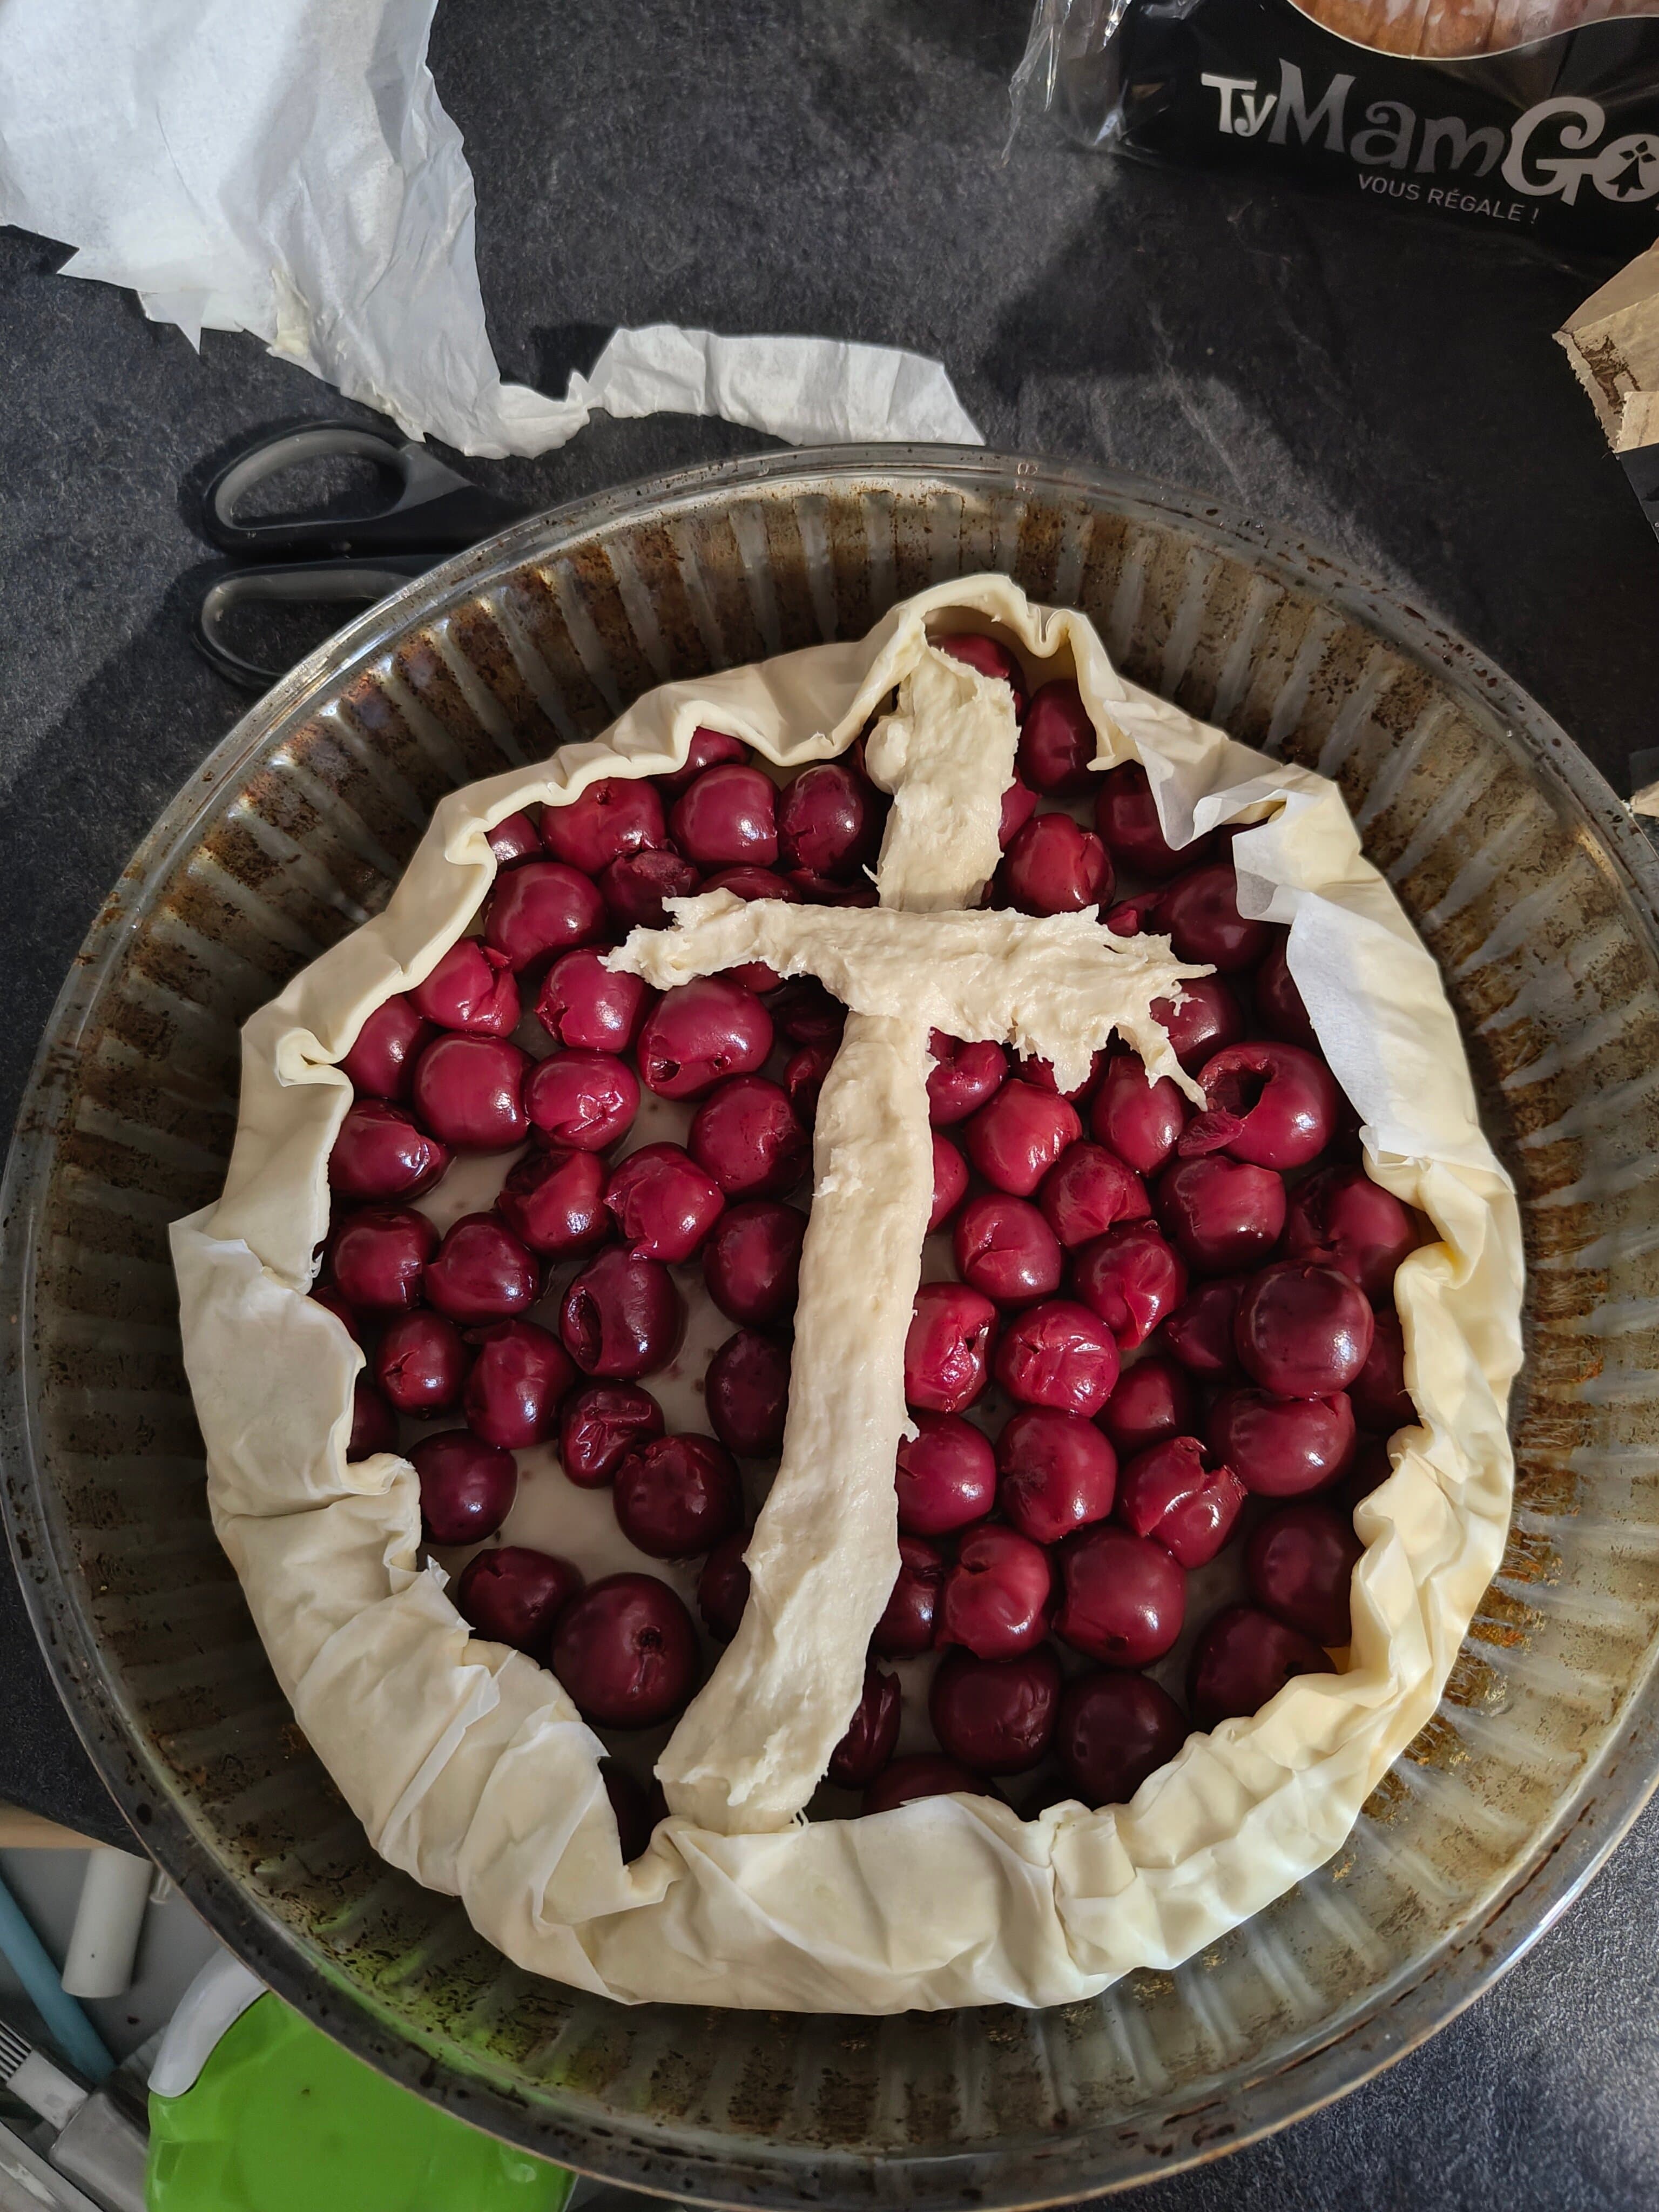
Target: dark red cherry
[(626, 1651), (701, 1032), (381, 1063), (828, 822), (1139, 1120), (1132, 1278), (1058, 1354), (990, 657), (1006, 1248), (420, 1362), (995, 1599), (1303, 1330), (950, 1182), (1126, 820), (588, 1007), (728, 817), (1059, 1473), (1153, 1399), (871, 1734), (804, 1075), (1175, 1492), (1200, 1332), (1034, 1069), (325, 1295), (745, 1136), (1224, 1213), (962, 1078), (382, 1152), (514, 839), (1123, 1599), (517, 1380), (373, 1423), (1281, 1447), (471, 989), (615, 815), (1087, 1191), (1244, 1658), (747, 1394), (804, 1011), (920, 1775), (751, 1263), (946, 1350), (1380, 1400), (1207, 1021), (636, 886), (677, 1497), (378, 1258), (1019, 803), (663, 1202), (1199, 912), (1278, 1002), (1341, 1217), (586, 1100), (1054, 865), (1114, 1729), (467, 1486), (622, 1317), (906, 1628), (996, 1715), (946, 1475), (554, 1202), (539, 909), (1057, 741), (723, 1586), (1016, 1137), (707, 748), (482, 1271), (514, 1595), (468, 1090), (1273, 1104), (1299, 1562), (599, 1426)]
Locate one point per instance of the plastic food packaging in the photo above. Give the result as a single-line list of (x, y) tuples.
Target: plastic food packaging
[(1535, 118)]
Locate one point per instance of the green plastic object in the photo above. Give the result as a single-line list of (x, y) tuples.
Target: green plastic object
[(280, 2119)]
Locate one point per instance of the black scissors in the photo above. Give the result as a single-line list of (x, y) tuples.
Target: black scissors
[(306, 557)]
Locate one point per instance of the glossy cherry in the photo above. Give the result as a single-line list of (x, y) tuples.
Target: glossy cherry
[(588, 1007), (1123, 1597), (907, 1626), (1244, 1657), (1278, 1002), (1299, 1562), (804, 1075), (1087, 1191), (1380, 1400), (540, 910), (554, 1202), (382, 1152), (622, 1317), (946, 1350), (1054, 865), (663, 1204), (1303, 1330), (746, 1136), (946, 1475), (950, 1182), (751, 1261), (420, 1362), (728, 817), (1222, 1213), (707, 748), (677, 1496), (467, 1486), (962, 1077), (990, 657), (516, 1381), (471, 989), (1017, 1136), (379, 1257), (995, 1599), (468, 1090), (1273, 1104), (700, 1033), (636, 886), (373, 1423), (1207, 1020), (482, 1271), (1132, 1278), (381, 1063), (512, 1596), (586, 1100), (996, 1716), (1175, 1492), (1113, 1730), (599, 1426), (1006, 1248), (327, 1297), (618, 814), (747, 1394), (804, 1011), (920, 1775), (1200, 1332), (1341, 1217), (627, 1651), (1058, 1474), (828, 822), (514, 839), (1058, 1354), (1057, 740), (1199, 912), (1019, 803), (1281, 1447), (1137, 1119), (1125, 820), (1153, 1399), (723, 1586), (871, 1734)]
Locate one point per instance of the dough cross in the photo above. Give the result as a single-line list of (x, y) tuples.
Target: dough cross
[(753, 1747)]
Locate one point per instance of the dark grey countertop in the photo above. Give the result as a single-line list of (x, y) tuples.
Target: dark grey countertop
[(1388, 388)]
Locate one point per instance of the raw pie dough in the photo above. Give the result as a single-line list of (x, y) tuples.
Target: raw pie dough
[(467, 1764)]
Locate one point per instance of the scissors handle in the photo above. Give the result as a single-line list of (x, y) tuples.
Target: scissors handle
[(435, 510), (361, 583)]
